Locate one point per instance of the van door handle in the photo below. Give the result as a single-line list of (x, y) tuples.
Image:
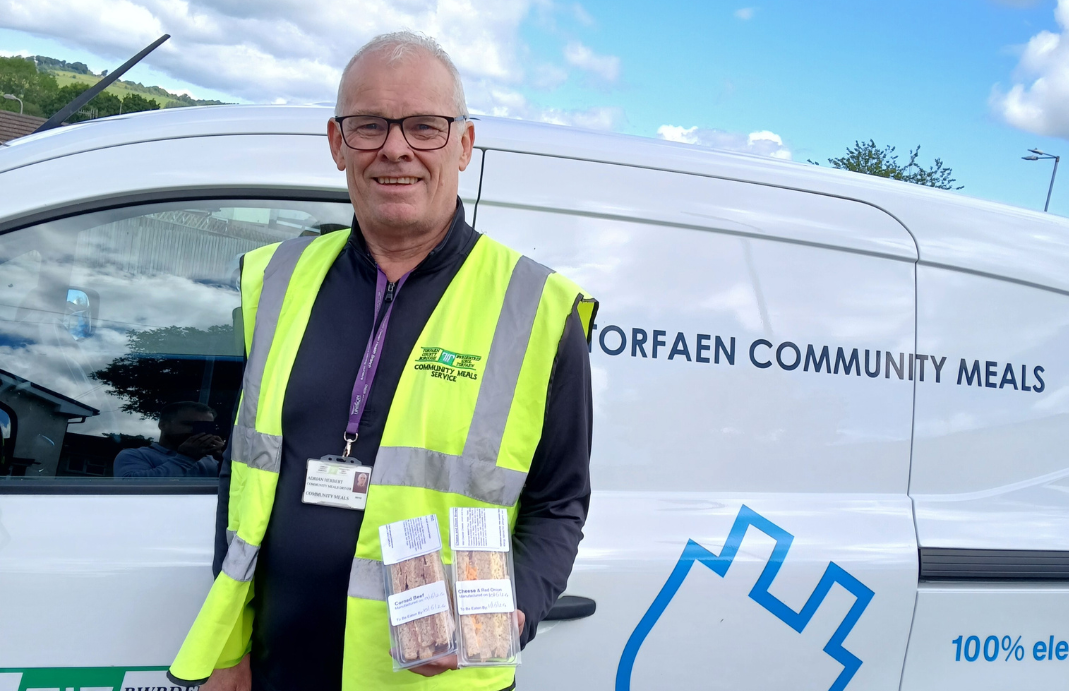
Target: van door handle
[(570, 607)]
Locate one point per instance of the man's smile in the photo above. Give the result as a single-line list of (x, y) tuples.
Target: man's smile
[(396, 180)]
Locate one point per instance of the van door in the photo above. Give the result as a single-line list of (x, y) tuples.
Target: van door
[(749, 525), (991, 485), (114, 325)]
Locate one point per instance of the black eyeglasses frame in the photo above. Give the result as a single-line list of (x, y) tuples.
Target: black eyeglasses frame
[(400, 124)]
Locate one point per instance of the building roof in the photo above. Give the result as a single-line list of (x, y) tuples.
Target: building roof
[(64, 405), (13, 125)]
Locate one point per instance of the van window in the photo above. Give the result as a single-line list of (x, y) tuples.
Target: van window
[(7, 436), (121, 336)]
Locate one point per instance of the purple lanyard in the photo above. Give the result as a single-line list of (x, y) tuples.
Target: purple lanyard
[(370, 364)]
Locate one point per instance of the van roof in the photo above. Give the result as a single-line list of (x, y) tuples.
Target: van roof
[(950, 229)]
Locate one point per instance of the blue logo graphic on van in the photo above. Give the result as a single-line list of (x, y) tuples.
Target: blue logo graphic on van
[(719, 564)]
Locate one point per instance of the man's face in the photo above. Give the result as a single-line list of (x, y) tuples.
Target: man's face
[(180, 427), (397, 189)]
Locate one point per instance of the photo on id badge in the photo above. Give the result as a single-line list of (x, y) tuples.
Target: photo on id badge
[(360, 482)]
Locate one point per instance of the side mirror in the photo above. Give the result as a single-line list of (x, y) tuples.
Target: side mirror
[(78, 317)]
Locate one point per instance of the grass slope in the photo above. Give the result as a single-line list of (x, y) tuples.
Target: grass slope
[(120, 88)]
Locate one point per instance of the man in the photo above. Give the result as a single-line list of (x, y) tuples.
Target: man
[(180, 452), (473, 389), (360, 483)]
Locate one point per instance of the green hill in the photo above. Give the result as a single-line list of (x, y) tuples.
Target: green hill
[(46, 84), (121, 88)]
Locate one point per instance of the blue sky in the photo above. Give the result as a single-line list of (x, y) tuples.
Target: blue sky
[(817, 75)]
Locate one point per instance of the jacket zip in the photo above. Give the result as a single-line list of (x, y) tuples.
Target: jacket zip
[(386, 300)]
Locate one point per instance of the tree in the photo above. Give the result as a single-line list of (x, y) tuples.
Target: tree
[(102, 105), (105, 104), (167, 364), (866, 157), (20, 77), (133, 103), (62, 97)]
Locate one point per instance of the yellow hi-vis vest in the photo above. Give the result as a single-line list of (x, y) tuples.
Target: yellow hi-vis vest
[(464, 439)]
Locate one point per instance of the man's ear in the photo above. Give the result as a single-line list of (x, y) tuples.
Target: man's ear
[(337, 145), (467, 143)]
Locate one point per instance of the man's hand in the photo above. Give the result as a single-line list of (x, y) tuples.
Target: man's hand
[(436, 666), (236, 678), (200, 445), (442, 664)]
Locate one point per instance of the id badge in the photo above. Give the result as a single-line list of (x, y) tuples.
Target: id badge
[(337, 481)]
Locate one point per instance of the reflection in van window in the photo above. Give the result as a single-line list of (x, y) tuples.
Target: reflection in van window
[(6, 441), (120, 329)]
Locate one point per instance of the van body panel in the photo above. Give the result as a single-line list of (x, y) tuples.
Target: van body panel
[(265, 163), (1026, 621), (951, 229), (99, 581), (713, 633), (687, 448), (167, 123), (989, 450), (764, 427), (691, 201)]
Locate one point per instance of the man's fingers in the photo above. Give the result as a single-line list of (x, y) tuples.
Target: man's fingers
[(436, 667)]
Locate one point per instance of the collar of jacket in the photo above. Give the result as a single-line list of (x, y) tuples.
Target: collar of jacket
[(457, 242)]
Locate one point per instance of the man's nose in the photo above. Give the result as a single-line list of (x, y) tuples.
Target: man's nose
[(396, 146)]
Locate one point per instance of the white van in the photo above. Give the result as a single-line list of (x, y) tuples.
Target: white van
[(831, 411)]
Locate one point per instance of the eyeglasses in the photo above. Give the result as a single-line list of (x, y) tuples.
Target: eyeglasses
[(422, 132)]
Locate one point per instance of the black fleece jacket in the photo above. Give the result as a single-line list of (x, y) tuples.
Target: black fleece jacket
[(302, 573)]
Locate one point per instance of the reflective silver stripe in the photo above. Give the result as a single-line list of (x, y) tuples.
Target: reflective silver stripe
[(230, 535), (475, 473), (511, 336), (256, 449), (240, 561), (471, 477), (366, 580), (277, 276)]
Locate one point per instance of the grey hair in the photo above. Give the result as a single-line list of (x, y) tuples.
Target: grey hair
[(400, 45)]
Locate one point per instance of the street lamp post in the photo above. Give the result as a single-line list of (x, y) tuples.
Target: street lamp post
[(13, 97), (1038, 155)]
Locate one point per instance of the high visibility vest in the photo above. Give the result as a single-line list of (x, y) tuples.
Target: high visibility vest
[(465, 439)]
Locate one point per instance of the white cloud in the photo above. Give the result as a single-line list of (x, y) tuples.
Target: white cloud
[(762, 143), (582, 16), (605, 66), (291, 51), (507, 103), (744, 13), (603, 118), (15, 54), (1037, 100), (275, 49), (548, 77)]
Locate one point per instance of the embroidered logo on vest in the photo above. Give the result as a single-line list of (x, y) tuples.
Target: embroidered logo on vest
[(448, 365)]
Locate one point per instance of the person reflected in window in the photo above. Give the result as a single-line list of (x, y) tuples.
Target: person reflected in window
[(185, 449)]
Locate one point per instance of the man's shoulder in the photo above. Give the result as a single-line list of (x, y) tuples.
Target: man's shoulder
[(255, 263), (568, 296), (149, 451)]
